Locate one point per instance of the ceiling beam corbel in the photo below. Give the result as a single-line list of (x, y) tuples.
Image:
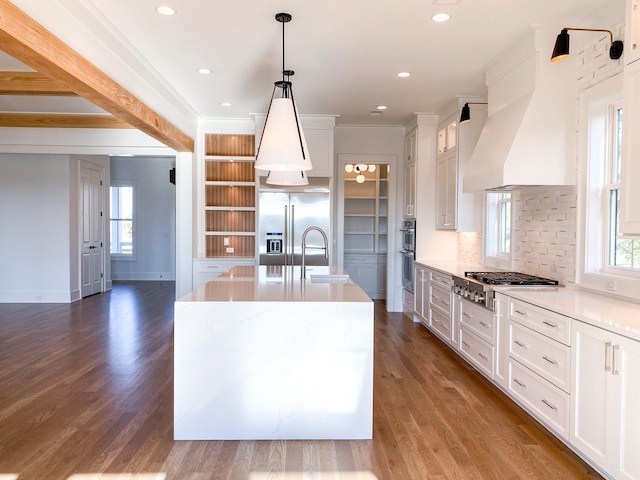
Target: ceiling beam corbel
[(32, 44)]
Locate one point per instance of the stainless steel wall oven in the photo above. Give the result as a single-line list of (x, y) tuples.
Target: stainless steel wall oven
[(408, 253)]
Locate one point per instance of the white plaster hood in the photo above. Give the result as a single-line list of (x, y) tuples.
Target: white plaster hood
[(529, 135)]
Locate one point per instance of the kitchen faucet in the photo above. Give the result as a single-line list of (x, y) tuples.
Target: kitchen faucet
[(303, 272)]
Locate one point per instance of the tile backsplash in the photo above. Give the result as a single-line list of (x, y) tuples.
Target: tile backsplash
[(544, 233)]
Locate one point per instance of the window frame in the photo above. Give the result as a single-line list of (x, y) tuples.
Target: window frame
[(598, 146), (493, 252), (119, 183)]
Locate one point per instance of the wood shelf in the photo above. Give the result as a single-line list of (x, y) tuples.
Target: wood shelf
[(230, 195)]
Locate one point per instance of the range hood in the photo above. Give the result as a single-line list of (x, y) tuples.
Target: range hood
[(529, 135)]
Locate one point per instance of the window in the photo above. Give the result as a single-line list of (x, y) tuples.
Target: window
[(498, 243), (122, 226), (606, 260), (623, 253)]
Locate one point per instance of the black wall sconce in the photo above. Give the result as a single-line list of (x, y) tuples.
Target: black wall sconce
[(561, 48), (465, 115)]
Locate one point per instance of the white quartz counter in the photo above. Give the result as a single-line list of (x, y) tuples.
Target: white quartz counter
[(451, 267), (276, 283), (610, 313), (261, 354), (616, 315)]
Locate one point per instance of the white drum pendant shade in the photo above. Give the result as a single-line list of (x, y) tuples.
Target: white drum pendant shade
[(287, 178), (280, 148)]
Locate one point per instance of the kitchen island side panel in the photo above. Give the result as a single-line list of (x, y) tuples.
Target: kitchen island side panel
[(273, 370)]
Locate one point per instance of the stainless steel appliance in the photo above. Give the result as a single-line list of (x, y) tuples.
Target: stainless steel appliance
[(283, 216), (477, 287), (408, 253)]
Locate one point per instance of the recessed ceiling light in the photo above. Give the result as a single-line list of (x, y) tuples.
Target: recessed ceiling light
[(204, 71), (225, 104), (403, 74), (441, 17), (381, 107), (163, 10)]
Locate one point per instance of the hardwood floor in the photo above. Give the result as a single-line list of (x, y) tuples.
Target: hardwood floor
[(86, 389)]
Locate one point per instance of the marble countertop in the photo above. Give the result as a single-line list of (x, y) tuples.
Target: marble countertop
[(276, 283)]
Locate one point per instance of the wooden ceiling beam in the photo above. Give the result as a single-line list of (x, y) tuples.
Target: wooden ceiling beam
[(42, 120), (31, 83), (32, 44)]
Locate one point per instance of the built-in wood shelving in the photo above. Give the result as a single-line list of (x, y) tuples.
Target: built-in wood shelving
[(230, 195)]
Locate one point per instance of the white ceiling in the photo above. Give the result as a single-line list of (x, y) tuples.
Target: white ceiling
[(346, 53)]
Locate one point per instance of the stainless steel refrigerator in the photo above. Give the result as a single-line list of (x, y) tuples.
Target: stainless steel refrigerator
[(284, 213)]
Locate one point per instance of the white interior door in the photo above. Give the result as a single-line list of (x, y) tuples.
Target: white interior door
[(91, 228)]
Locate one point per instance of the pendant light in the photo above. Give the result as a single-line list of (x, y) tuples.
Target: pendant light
[(283, 147), (276, 177), (561, 47)]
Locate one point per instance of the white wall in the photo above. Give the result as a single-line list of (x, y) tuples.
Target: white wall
[(34, 219), (154, 219), (381, 140)]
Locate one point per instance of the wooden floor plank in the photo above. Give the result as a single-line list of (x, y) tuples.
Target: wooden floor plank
[(87, 388)]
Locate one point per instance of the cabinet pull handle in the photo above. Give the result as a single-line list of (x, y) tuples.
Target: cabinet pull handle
[(524, 314), (445, 327), (607, 363), (550, 324), (550, 360), (520, 344), (466, 344), (484, 324), (522, 384), (615, 369), (467, 315), (549, 404), (483, 356)]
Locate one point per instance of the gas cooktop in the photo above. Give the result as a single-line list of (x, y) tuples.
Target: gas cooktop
[(509, 278)]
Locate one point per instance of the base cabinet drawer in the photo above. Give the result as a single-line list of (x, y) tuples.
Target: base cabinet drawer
[(548, 323), (479, 352), (546, 357), (479, 320), (441, 325), (542, 399)]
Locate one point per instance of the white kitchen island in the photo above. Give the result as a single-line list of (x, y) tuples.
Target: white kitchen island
[(261, 354)]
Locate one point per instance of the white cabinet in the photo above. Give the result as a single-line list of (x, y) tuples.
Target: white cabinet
[(477, 335), (630, 168), (440, 299), (501, 320), (446, 177), (632, 32), (420, 293), (456, 210), (605, 400), (409, 208), (539, 363), (369, 272), (447, 135), (410, 162)]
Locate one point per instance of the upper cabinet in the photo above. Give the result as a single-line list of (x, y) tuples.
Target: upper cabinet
[(456, 210), (447, 136), (410, 159), (632, 32)]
